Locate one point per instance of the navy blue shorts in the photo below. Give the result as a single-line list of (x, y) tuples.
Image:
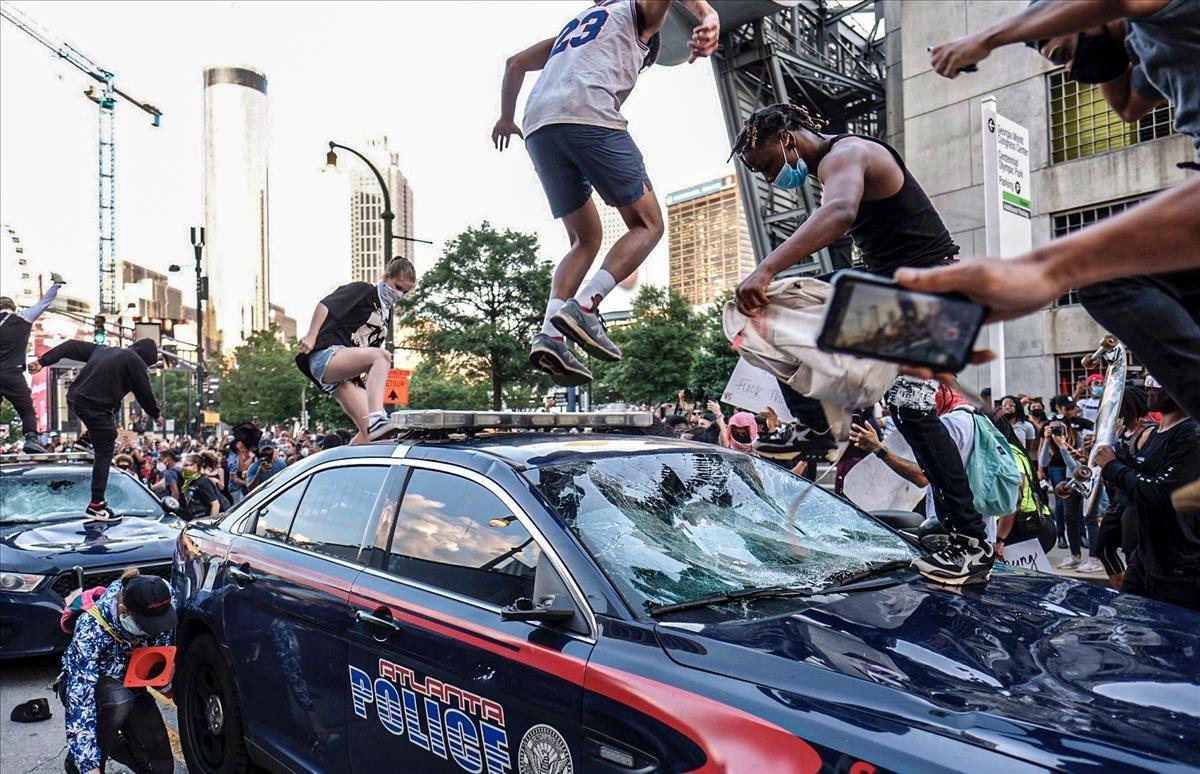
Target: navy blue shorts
[(571, 158)]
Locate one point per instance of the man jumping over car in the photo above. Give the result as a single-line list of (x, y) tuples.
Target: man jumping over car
[(576, 137)]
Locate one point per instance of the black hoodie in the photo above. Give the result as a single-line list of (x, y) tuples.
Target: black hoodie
[(109, 373)]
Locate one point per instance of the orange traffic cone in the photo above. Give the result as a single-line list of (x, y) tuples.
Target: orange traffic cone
[(150, 667)]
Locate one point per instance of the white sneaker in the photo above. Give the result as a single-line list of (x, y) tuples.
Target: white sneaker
[(1069, 564), (1090, 565)]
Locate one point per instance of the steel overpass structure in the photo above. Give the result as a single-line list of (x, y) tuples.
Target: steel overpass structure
[(824, 54)]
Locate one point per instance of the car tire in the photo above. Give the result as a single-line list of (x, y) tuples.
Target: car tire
[(210, 714)]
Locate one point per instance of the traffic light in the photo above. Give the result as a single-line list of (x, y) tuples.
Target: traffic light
[(98, 334)]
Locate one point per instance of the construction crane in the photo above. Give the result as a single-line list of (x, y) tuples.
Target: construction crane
[(104, 93)]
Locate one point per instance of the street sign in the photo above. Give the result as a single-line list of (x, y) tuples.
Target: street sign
[(212, 417), (1008, 206), (148, 330), (396, 391)]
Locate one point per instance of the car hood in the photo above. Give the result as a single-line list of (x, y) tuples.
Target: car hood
[(1057, 658), (32, 546)]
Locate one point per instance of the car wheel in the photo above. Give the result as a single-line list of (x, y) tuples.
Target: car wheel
[(210, 715)]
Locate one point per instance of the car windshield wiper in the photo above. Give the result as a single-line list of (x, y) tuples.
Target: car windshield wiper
[(765, 592), (872, 571)]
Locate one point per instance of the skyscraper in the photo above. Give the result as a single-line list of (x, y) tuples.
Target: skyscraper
[(366, 205), (708, 241), (235, 204)]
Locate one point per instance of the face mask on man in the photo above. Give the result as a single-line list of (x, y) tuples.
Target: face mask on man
[(790, 176), (160, 467), (1097, 391)]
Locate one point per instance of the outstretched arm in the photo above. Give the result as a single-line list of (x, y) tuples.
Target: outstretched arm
[(653, 15), (865, 438), (843, 177), (1037, 22), (530, 60), (1158, 236), (68, 350), (35, 311)]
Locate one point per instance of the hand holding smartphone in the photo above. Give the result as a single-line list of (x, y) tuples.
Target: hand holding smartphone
[(871, 316)]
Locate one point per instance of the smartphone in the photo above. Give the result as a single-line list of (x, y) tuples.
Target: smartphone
[(874, 317)]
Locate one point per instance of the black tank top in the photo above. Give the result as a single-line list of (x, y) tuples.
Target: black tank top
[(902, 230)]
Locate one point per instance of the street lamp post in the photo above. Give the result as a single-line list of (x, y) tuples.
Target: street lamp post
[(197, 235), (387, 215)]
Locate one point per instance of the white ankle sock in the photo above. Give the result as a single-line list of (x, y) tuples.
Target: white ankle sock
[(552, 307), (600, 285), (376, 415)]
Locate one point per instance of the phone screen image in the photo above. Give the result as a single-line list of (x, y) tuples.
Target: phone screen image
[(899, 325)]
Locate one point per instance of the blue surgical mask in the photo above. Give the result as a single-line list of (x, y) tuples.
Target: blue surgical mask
[(790, 176), (130, 627), (1097, 391), (389, 295)]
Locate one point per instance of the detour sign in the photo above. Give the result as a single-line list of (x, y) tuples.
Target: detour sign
[(396, 391)]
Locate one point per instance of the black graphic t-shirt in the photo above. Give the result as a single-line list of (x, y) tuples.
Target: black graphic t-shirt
[(355, 318)]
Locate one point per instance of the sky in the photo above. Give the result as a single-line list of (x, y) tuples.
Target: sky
[(427, 74)]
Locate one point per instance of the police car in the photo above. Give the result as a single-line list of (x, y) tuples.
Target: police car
[(492, 594)]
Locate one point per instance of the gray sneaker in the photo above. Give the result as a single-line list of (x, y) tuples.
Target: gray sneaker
[(586, 329), (555, 358)]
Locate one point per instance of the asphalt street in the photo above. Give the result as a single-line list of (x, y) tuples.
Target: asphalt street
[(39, 748)]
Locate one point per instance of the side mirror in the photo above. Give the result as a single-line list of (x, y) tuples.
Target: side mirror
[(552, 608), (171, 504)]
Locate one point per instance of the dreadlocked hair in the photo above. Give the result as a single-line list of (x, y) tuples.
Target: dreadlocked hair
[(772, 120)]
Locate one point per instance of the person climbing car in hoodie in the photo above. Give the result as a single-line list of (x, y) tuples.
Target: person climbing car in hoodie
[(108, 374)]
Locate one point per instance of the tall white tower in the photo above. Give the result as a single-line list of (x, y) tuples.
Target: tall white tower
[(237, 264), (366, 205)]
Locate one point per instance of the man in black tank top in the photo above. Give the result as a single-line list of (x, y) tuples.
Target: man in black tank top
[(868, 193)]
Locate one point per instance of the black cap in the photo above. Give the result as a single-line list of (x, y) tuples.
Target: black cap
[(1066, 403), (148, 600)]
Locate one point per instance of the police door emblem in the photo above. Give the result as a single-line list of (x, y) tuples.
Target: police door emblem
[(544, 751)]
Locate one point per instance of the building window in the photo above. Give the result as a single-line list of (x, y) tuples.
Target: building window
[(1073, 220), (1081, 123)]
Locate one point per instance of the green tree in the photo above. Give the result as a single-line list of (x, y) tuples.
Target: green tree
[(262, 380), (431, 387), (715, 359), (657, 349), (478, 308), (176, 392)]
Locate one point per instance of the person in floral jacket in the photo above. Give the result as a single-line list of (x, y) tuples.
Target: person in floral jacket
[(104, 718)]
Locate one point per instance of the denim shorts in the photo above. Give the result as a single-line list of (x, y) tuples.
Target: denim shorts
[(572, 158), (319, 361)]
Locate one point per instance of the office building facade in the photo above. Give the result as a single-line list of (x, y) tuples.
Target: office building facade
[(1085, 163), (708, 241), (237, 254), (366, 206)]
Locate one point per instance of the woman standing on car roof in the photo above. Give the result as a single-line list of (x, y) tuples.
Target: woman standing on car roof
[(105, 720)]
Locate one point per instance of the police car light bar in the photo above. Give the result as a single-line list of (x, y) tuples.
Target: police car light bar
[(49, 457), (438, 419)]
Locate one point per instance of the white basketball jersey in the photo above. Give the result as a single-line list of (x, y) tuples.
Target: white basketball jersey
[(592, 68)]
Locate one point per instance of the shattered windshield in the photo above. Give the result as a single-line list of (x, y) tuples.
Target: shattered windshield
[(44, 495), (672, 527)]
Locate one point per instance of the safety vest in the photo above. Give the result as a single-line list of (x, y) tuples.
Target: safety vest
[(1029, 500)]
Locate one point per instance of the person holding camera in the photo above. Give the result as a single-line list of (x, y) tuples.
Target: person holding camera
[(265, 465), (1061, 452), (104, 719)]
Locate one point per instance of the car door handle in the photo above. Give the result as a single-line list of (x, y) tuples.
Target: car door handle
[(240, 577), (380, 624)]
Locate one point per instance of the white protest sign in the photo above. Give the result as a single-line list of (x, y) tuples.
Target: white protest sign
[(753, 389), (873, 486), (1027, 554)]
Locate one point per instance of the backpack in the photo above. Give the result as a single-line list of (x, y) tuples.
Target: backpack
[(78, 602), (992, 471)]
